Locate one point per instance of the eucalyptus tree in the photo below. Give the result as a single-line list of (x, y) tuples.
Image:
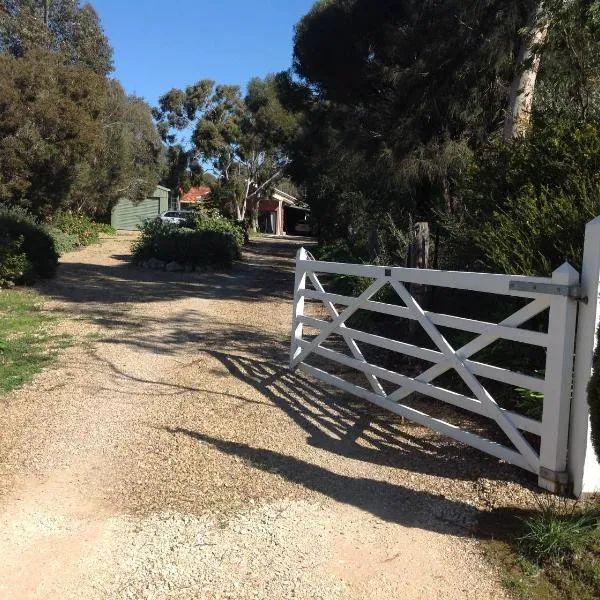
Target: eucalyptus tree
[(240, 140), (64, 27), (518, 114)]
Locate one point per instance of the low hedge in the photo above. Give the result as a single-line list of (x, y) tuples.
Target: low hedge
[(28, 249), (186, 246), (64, 242), (214, 221)]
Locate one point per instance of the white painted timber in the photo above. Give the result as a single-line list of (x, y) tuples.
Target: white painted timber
[(582, 462), (427, 389), (551, 463), (339, 320), (435, 356), (515, 334), (333, 313), (494, 411), (490, 283), (453, 431), (557, 395), (298, 308)]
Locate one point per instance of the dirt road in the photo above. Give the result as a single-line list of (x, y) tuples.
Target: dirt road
[(170, 454)]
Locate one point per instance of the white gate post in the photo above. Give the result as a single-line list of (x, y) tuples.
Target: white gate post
[(298, 310), (553, 474), (583, 464)]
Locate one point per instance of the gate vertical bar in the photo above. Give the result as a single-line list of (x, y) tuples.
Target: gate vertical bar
[(298, 310), (553, 474), (583, 464)]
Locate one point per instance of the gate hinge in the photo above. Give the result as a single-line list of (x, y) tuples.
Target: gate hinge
[(554, 481), (555, 289)]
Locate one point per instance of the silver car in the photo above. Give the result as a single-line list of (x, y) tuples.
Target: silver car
[(178, 217)]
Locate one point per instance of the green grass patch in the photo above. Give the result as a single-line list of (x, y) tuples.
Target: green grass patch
[(27, 340), (550, 552)]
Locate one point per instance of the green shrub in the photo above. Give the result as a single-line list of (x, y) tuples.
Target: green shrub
[(64, 242), (537, 231), (197, 247), (82, 226), (14, 264), (213, 220), (593, 391), (225, 226), (35, 241), (529, 200), (105, 228), (530, 403)]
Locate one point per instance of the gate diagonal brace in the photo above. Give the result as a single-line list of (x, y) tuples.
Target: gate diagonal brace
[(476, 345), (354, 349), (472, 382), (339, 320)]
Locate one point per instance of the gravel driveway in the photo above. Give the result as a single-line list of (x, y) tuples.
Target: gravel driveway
[(170, 454)]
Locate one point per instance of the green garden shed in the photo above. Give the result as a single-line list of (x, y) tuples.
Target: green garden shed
[(127, 214)]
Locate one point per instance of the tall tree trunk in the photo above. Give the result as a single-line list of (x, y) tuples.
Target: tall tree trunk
[(46, 2), (254, 217), (240, 211), (523, 85)]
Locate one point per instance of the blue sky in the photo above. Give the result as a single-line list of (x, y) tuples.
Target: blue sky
[(159, 45)]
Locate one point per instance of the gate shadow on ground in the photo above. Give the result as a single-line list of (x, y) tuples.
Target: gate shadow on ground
[(388, 501), (333, 421), (349, 427)]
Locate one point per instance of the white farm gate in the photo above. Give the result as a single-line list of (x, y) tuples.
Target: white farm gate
[(561, 454)]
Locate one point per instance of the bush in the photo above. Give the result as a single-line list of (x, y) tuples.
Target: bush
[(27, 237), (537, 231), (529, 200), (105, 228), (213, 221), (14, 264), (197, 247), (77, 224), (64, 242)]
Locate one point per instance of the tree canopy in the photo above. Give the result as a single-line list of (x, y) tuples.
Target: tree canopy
[(71, 137), (241, 140), (399, 100), (63, 27)]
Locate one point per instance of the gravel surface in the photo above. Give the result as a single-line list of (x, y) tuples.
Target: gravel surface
[(170, 454)]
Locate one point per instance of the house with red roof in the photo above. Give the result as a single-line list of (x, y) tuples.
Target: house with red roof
[(194, 196)]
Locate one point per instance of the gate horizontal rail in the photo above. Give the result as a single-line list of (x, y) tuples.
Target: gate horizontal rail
[(550, 462)]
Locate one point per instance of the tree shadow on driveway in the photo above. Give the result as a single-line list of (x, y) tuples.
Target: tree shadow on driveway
[(385, 500), (267, 272)]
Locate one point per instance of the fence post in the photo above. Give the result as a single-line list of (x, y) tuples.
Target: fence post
[(298, 310), (418, 258), (553, 474), (583, 464)]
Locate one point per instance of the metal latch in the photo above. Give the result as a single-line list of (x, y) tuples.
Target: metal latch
[(555, 289)]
